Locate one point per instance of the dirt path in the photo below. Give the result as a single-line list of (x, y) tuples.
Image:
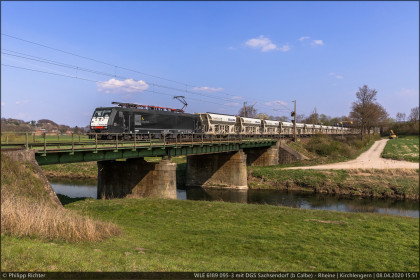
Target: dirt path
[(369, 159)]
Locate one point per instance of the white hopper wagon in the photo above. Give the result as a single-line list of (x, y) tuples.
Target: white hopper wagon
[(300, 128), (218, 124), (309, 129), (270, 127), (286, 128), (248, 125)]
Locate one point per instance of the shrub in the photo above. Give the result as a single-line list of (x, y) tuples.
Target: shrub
[(323, 145)]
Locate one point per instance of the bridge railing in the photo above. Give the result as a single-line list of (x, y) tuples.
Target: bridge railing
[(97, 141)]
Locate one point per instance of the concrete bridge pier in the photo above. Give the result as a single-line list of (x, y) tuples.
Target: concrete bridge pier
[(136, 178), (265, 156), (217, 170)]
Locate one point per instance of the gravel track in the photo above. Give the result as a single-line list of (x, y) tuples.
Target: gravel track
[(369, 159)]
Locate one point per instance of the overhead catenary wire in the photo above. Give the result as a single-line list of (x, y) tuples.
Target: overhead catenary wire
[(77, 68), (52, 62), (91, 59), (95, 81), (124, 68)]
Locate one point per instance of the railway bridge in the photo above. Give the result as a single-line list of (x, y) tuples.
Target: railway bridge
[(123, 171)]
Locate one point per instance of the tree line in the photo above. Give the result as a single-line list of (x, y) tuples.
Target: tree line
[(16, 125)]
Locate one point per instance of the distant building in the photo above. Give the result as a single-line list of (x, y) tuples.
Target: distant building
[(40, 131)]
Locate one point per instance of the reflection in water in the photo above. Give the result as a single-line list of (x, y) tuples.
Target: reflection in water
[(308, 201), (86, 188)]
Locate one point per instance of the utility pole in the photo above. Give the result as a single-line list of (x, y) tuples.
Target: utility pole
[(244, 110), (294, 123)]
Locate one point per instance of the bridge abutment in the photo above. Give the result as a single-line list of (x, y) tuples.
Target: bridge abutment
[(217, 170), (136, 178), (288, 155)]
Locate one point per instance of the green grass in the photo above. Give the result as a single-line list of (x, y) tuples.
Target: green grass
[(72, 170), (402, 148), (401, 184), (172, 235), (323, 149), (21, 138)]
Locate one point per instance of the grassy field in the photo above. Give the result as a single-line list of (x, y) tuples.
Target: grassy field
[(72, 170), (398, 183), (402, 148), (173, 235), (322, 149), (32, 138)]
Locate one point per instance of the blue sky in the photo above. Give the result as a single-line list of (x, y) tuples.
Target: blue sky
[(220, 54)]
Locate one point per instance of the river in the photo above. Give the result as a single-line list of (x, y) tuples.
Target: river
[(87, 188)]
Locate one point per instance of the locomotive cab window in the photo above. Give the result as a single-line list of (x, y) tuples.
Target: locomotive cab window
[(102, 113), (137, 119)]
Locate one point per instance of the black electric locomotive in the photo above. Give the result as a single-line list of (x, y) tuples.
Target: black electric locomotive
[(142, 121)]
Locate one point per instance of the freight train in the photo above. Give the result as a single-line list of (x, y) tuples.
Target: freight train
[(129, 120)]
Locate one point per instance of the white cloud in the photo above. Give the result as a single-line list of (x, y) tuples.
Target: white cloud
[(275, 103), (304, 38), (237, 97), (317, 43), (336, 75), (285, 48), (231, 48), (117, 86), (232, 104), (3, 104), (408, 92), (22, 102), (207, 89), (262, 43)]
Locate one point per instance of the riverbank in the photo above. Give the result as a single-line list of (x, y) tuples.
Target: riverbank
[(356, 177), (174, 235), (372, 183)]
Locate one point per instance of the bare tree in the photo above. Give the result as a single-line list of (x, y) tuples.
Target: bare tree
[(365, 111), (400, 117), (414, 115), (250, 111), (313, 118), (282, 119), (324, 119), (300, 118)]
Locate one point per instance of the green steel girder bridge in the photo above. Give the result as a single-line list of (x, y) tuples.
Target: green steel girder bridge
[(54, 149)]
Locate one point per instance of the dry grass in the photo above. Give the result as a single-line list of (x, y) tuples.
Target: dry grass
[(23, 217), (382, 172), (27, 209)]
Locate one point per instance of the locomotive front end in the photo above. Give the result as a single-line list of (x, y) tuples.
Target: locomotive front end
[(99, 121)]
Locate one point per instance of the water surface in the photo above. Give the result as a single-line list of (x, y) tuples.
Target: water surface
[(88, 188)]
